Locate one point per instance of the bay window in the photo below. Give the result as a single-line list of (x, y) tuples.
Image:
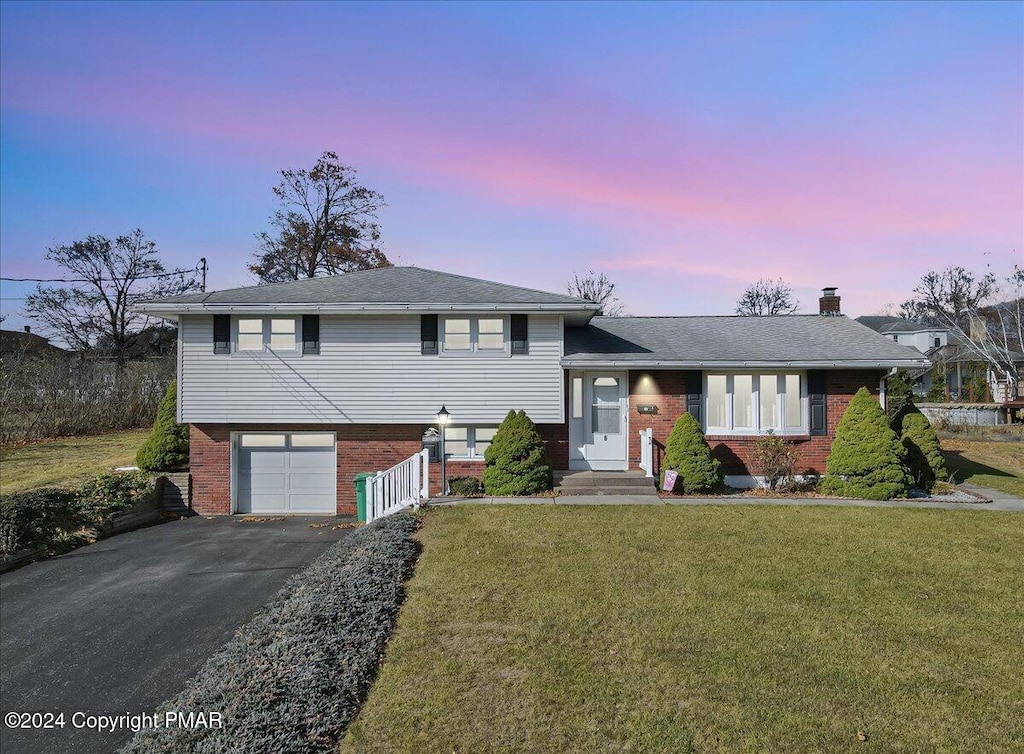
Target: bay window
[(745, 403)]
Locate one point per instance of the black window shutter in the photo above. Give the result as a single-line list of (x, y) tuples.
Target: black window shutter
[(222, 333), (816, 399), (428, 334), (694, 394), (520, 334), (311, 333)]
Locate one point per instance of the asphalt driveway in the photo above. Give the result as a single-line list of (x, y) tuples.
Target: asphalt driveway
[(119, 626)]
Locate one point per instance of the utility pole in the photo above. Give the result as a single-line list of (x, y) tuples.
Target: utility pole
[(202, 268)]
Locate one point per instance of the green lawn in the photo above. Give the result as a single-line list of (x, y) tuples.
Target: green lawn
[(67, 461), (998, 465), (560, 628)]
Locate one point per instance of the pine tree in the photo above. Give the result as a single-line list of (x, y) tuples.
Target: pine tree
[(167, 445), (515, 462), (924, 456), (867, 458), (688, 453)]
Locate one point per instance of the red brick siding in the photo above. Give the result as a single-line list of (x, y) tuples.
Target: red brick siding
[(361, 447), (667, 391)]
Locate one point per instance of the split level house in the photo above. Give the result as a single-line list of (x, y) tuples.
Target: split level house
[(291, 389)]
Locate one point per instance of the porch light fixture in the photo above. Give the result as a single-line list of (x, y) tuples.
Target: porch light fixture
[(442, 421)]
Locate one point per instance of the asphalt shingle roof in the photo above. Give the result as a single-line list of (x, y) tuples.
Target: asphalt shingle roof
[(794, 338), (387, 285), (893, 324)]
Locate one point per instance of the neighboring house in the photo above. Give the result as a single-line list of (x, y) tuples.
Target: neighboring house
[(27, 343), (291, 389), (906, 332)]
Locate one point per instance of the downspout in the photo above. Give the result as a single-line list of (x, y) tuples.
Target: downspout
[(881, 387)]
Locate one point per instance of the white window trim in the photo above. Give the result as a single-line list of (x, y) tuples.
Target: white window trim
[(471, 454), (474, 334), (757, 430), (296, 350)]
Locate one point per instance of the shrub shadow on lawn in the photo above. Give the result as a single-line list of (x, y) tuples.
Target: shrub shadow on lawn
[(964, 468)]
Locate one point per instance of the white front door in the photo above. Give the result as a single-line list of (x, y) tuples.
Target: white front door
[(602, 443)]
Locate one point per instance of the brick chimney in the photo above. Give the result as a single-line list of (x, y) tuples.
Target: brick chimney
[(828, 304)]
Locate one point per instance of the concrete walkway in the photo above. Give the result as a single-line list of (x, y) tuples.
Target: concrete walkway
[(1001, 501)]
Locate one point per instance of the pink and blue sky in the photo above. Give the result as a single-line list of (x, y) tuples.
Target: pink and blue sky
[(685, 149)]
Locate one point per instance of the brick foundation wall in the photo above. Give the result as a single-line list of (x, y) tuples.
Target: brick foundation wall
[(666, 389), (361, 447)]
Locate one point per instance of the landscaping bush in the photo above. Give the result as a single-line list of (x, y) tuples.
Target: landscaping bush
[(166, 448), (515, 462), (867, 458), (294, 677), (37, 518), (924, 456), (465, 486), (107, 494), (688, 453), (775, 459)]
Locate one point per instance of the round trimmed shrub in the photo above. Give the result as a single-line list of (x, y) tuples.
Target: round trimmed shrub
[(867, 458), (688, 454), (465, 486), (515, 462), (924, 456), (166, 448)]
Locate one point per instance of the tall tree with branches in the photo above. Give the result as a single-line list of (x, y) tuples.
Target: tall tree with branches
[(766, 298), (596, 287), (326, 224), (106, 277), (984, 315)]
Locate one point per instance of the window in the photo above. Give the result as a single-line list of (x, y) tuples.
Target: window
[(577, 397), (755, 403), (258, 333), (475, 335), (250, 334), (467, 442), (938, 342)]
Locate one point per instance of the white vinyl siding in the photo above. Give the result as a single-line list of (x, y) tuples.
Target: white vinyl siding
[(369, 370)]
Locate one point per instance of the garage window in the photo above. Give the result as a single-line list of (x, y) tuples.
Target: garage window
[(262, 441)]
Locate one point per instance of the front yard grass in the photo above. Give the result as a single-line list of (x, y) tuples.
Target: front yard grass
[(564, 628), (66, 462), (998, 465)]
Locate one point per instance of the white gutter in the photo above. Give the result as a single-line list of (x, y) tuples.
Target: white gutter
[(571, 363), (160, 309)]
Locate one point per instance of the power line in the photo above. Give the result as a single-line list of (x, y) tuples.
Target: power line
[(83, 280)]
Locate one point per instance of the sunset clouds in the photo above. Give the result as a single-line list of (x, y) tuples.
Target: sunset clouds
[(686, 149)]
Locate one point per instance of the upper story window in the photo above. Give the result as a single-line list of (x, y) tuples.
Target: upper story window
[(260, 333), (938, 342), (755, 403), (474, 334)]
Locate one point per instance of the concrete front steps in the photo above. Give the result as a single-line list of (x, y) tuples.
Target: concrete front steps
[(604, 483)]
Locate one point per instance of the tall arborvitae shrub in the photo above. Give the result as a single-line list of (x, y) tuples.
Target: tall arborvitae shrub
[(867, 458), (515, 462), (167, 445), (924, 456), (688, 454)]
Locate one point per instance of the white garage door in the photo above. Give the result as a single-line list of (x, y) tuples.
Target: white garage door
[(292, 472)]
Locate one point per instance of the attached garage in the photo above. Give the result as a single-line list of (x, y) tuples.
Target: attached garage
[(285, 472)]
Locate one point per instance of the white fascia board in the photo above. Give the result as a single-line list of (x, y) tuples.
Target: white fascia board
[(838, 364), (172, 310)]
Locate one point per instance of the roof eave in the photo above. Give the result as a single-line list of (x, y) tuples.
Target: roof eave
[(594, 363), (156, 308)]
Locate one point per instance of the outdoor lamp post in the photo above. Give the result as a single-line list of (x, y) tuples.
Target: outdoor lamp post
[(442, 422)]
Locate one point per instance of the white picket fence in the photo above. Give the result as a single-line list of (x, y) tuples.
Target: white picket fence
[(647, 450), (402, 486)]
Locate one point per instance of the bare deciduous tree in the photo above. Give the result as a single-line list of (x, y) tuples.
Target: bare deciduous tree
[(596, 287), (106, 277), (949, 296), (326, 225), (985, 317), (767, 298)]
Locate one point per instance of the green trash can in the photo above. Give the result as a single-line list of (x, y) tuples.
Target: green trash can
[(360, 480)]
